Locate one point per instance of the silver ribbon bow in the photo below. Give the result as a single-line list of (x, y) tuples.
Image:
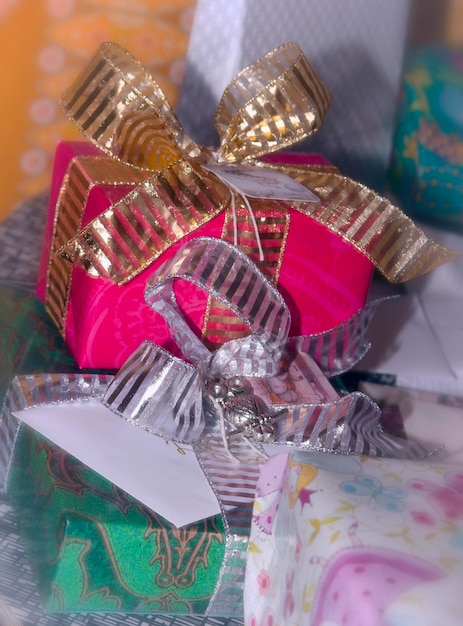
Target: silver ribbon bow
[(180, 401)]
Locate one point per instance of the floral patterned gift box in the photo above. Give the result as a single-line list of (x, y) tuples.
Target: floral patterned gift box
[(372, 542)]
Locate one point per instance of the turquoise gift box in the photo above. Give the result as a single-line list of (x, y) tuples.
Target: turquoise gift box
[(427, 161)]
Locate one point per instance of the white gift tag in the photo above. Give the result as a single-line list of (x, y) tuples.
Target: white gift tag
[(258, 182)]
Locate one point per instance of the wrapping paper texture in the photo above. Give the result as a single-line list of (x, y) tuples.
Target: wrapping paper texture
[(93, 548), (345, 540)]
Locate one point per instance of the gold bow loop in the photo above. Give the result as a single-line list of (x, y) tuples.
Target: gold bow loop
[(271, 104), (117, 105)]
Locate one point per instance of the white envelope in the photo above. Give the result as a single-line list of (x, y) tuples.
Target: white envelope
[(162, 475)]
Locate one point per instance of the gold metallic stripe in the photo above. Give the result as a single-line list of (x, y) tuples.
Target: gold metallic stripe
[(270, 105), (115, 99), (163, 204), (381, 231), (82, 174), (220, 322)]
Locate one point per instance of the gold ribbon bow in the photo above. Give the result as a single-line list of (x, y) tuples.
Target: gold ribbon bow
[(270, 105)]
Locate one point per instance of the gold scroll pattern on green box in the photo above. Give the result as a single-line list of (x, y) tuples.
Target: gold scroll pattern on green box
[(94, 548), (29, 341)]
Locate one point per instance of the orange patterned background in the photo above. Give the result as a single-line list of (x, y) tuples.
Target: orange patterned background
[(43, 44)]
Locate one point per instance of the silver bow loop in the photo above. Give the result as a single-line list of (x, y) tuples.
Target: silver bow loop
[(160, 393), (227, 274), (169, 397)]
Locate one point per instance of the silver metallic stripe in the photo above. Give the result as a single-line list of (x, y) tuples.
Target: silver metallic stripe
[(228, 275), (159, 393), (36, 389), (338, 349)]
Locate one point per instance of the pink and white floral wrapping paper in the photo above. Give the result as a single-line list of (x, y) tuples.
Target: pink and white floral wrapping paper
[(355, 541)]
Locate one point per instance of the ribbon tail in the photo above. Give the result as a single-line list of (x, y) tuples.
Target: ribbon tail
[(338, 349), (83, 173), (234, 479), (381, 231), (350, 425)]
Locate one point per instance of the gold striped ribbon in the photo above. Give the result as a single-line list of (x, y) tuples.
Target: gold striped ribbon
[(220, 324), (82, 175), (270, 105)]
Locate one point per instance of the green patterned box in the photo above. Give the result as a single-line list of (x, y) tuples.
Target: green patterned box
[(427, 160), (29, 341), (94, 548)]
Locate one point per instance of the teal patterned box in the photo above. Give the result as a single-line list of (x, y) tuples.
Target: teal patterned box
[(427, 162)]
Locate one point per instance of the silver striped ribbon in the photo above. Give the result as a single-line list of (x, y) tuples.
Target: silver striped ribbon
[(338, 349), (164, 395)]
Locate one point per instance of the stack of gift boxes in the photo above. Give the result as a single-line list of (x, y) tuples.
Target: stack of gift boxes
[(125, 205)]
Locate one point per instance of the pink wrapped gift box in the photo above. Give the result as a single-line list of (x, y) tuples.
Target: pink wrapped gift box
[(323, 278)]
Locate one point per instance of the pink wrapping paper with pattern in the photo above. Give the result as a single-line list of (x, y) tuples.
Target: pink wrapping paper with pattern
[(323, 279), (355, 541)]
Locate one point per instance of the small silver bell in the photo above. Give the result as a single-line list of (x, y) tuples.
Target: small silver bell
[(218, 391), (236, 384)]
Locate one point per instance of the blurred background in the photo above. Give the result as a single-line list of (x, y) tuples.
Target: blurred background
[(43, 43)]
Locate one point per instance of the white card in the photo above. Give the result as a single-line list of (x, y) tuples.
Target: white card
[(259, 182), (162, 475)]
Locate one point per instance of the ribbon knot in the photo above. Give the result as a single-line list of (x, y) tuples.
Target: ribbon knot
[(154, 386), (238, 406)]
